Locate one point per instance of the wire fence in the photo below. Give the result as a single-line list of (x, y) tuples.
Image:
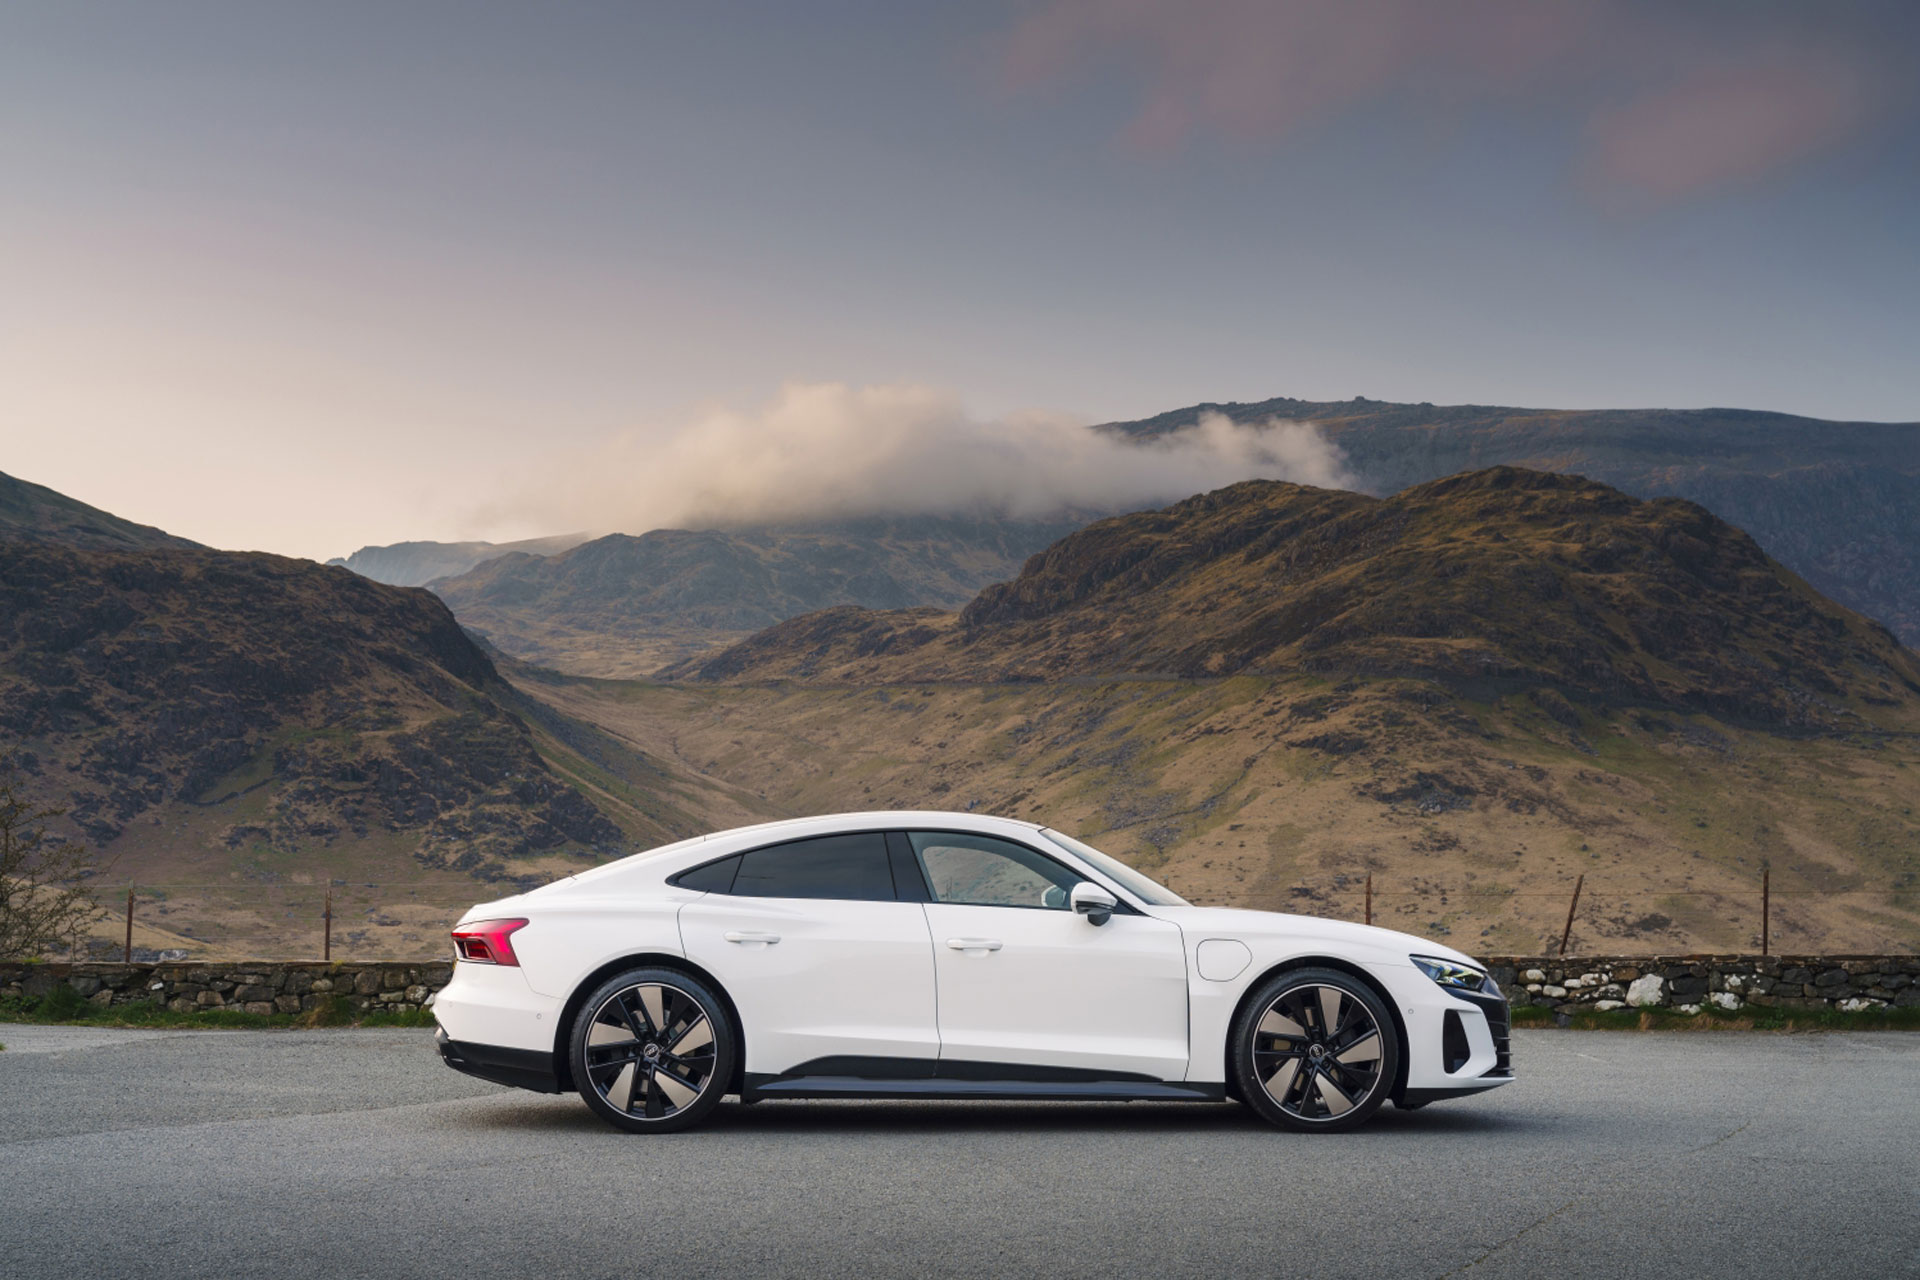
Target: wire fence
[(351, 919)]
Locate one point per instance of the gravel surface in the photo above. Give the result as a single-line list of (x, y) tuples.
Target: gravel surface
[(355, 1153)]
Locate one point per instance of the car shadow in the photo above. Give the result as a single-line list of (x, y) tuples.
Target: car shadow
[(567, 1113)]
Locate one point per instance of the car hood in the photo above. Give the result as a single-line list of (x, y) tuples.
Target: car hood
[(1275, 926)]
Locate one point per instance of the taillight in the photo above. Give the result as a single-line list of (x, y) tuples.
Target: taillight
[(487, 941)]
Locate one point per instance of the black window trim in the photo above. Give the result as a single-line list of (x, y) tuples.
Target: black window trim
[(680, 875), (1122, 904), (909, 877)]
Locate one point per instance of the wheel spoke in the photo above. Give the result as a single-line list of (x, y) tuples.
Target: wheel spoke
[(653, 1001), (1281, 1080), (1277, 1023), (606, 1033), (636, 1019), (1303, 1087), (697, 1036), (677, 1091), (1336, 1099), (1330, 1002), (620, 1094), (689, 1068), (1364, 1049)]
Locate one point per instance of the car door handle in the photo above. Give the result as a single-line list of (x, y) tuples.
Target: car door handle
[(768, 938), (974, 944)]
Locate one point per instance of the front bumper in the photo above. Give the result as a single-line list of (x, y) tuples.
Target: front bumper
[(1457, 1042), (520, 1068)]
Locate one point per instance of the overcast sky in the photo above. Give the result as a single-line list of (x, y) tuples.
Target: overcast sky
[(305, 277)]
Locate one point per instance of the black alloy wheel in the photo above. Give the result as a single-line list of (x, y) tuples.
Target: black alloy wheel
[(652, 1051), (1315, 1050)]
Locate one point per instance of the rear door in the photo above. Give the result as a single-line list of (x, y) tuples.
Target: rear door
[(1030, 990), (829, 969)]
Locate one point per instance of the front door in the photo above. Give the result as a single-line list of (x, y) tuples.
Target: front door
[(1024, 982), (829, 970)]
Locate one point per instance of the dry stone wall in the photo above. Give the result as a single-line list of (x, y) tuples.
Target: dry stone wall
[(1850, 984), (246, 986)]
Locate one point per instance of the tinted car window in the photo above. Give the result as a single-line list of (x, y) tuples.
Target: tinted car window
[(850, 867), (984, 872), (715, 877)]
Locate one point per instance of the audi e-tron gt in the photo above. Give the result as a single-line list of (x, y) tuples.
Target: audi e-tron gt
[(947, 955)]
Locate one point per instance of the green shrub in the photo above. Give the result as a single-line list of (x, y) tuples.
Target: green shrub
[(64, 1005)]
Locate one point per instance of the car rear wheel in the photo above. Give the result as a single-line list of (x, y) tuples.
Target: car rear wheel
[(652, 1050), (1315, 1050)]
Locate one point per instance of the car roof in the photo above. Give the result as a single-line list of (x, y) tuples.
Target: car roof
[(876, 819)]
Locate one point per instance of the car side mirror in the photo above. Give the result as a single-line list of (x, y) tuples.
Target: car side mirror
[(1093, 902)]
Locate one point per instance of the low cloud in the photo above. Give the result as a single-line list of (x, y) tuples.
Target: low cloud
[(829, 450)]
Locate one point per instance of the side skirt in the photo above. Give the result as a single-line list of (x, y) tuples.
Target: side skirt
[(759, 1087)]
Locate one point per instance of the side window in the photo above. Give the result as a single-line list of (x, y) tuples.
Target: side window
[(852, 867), (715, 877), (984, 872)]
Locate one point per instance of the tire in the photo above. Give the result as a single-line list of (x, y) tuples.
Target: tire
[(1315, 1050), (652, 1050)]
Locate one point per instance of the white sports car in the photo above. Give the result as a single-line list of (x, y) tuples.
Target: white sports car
[(947, 955)]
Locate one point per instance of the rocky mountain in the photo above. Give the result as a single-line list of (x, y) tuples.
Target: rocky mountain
[(414, 564), (1454, 703), (1501, 579), (240, 724), (30, 510), (1836, 502), (134, 679), (623, 605)]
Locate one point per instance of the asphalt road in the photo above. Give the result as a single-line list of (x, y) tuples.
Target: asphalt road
[(355, 1153)]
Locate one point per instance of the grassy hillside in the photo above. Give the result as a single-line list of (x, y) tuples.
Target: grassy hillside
[(1500, 580), (1836, 502), (1476, 692), (238, 732), (623, 606), (1473, 814)]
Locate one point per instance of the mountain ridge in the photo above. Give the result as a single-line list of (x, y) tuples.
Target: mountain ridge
[(624, 605), (29, 510), (415, 564), (1837, 502), (1503, 576), (232, 724)]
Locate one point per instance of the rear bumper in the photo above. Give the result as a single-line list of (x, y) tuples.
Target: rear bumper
[(491, 1004), (520, 1068)]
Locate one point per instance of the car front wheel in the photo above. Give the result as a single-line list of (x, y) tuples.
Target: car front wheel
[(652, 1050), (1315, 1050)]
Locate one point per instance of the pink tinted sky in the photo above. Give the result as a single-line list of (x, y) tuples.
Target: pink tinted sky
[(303, 277)]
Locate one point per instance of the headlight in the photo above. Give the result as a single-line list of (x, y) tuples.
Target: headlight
[(1453, 975)]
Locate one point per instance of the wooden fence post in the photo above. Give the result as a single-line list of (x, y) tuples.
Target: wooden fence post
[(1369, 897), (326, 944), (127, 956), (1766, 907), (1573, 906)]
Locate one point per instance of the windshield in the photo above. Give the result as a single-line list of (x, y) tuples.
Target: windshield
[(1148, 891)]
